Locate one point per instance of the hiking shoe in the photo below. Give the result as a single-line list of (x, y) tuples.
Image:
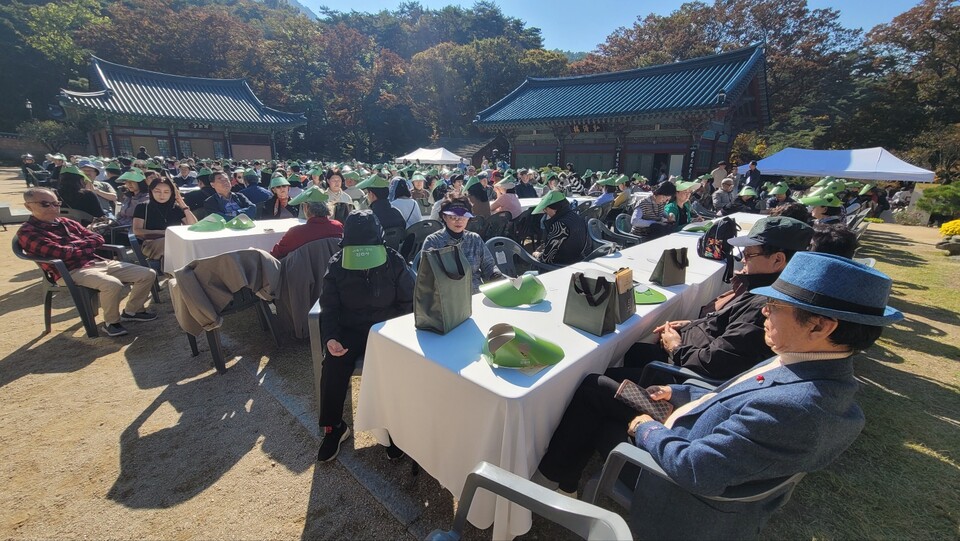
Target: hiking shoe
[(394, 452), (333, 437), (139, 316), (114, 329)]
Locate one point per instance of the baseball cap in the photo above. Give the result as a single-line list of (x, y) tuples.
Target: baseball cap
[(778, 231)]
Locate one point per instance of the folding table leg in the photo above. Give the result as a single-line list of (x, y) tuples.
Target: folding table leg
[(216, 350), (193, 344)]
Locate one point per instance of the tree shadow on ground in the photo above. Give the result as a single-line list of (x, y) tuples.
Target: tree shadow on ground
[(65, 351), (910, 421), (162, 466), (884, 251)]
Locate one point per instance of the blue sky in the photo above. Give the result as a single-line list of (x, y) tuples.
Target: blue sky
[(579, 25)]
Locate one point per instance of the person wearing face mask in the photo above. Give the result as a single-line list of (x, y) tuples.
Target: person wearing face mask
[(455, 212)]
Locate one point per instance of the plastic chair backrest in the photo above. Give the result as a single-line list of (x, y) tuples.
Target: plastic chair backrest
[(595, 230), (605, 249), (477, 224), (584, 519), (507, 254), (623, 223), (414, 236), (497, 225), (393, 236)]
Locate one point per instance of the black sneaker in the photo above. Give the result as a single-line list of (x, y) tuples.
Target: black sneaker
[(330, 446), (114, 329), (393, 452), (139, 316)]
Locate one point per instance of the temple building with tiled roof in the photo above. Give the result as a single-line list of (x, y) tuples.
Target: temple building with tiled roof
[(680, 118), (174, 115)]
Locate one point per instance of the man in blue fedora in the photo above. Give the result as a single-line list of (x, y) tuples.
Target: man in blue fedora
[(793, 413)]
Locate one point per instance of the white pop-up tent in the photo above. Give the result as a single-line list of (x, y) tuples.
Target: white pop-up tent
[(860, 163), (439, 156)]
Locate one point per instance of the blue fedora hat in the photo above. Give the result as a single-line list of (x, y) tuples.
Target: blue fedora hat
[(835, 287)]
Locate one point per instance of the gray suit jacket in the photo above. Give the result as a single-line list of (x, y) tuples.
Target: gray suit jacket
[(796, 418)]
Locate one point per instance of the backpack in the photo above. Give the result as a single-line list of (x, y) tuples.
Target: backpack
[(713, 244)]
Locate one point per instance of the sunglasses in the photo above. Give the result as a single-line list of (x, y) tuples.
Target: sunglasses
[(48, 204)]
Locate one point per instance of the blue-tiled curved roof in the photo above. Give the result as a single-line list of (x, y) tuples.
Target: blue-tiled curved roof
[(141, 93), (691, 84)]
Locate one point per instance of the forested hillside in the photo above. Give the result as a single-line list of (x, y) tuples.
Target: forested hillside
[(373, 84)]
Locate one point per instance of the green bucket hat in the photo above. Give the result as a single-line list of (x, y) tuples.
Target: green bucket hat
[(204, 171), (242, 221), (313, 194), (315, 172), (251, 174), (278, 181), (212, 222), (507, 346), (350, 175), (549, 175), (779, 189), (588, 173), (70, 168), (551, 197), (747, 190), (374, 181), (112, 166), (153, 166), (648, 295), (825, 200), (132, 176), (524, 289), (470, 182), (866, 189), (685, 185), (418, 176), (60, 157)]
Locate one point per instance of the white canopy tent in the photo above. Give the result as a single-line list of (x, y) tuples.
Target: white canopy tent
[(860, 163), (438, 156)]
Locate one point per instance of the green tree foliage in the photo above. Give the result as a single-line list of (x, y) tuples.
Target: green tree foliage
[(942, 200), (50, 29), (51, 134)]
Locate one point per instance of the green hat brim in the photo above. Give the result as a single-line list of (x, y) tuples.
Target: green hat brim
[(241, 222), (278, 181), (685, 185), (746, 191), (374, 181), (777, 190), (825, 200), (507, 346), (866, 189), (505, 293), (212, 222), (313, 194), (552, 197), (363, 257), (132, 177), (471, 181), (648, 296)]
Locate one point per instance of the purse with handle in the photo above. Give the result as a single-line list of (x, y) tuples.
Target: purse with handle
[(591, 303), (442, 295), (672, 267)]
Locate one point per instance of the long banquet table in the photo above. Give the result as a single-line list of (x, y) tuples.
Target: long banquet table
[(448, 409), (183, 246)]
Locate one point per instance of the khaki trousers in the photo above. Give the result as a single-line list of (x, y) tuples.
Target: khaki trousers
[(109, 277)]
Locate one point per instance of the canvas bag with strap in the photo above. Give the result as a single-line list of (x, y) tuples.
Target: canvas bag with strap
[(591, 303), (672, 267), (713, 244), (441, 297)]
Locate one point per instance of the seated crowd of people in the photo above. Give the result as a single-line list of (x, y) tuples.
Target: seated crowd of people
[(781, 338)]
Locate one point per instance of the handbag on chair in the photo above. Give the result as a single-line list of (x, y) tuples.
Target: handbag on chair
[(591, 303), (441, 297), (672, 267)]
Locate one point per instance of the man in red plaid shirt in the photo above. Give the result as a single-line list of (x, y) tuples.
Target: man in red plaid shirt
[(48, 235)]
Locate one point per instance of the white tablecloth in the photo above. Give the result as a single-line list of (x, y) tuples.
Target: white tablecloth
[(183, 246), (528, 202), (449, 410)]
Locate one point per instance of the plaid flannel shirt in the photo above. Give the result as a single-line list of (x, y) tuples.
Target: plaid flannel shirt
[(64, 239)]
